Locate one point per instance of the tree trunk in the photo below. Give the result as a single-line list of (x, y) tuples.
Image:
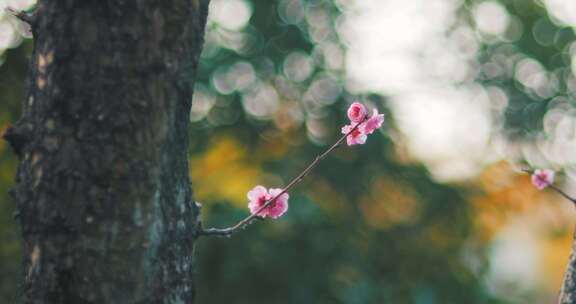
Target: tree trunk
[(103, 194), (568, 292)]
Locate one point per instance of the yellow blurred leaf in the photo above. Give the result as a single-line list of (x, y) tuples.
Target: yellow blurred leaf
[(555, 253), (225, 172)]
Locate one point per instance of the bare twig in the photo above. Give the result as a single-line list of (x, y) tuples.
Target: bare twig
[(28, 18), (558, 190), (227, 232), (564, 194)]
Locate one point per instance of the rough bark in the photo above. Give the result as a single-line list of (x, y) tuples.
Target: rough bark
[(103, 194), (568, 292)]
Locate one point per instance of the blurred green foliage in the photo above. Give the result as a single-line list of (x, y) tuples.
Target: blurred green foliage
[(365, 226), (12, 83)]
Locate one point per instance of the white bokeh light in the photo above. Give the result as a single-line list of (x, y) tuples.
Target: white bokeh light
[(562, 10), (513, 255), (448, 129), (230, 14), (491, 18), (17, 5), (8, 35), (261, 102)]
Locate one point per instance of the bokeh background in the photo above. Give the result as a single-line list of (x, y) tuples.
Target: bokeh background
[(433, 209)]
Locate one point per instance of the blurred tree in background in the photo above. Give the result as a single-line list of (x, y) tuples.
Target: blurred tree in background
[(371, 224)]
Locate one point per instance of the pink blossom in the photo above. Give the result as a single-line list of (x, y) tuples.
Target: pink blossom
[(357, 112), (542, 178), (373, 123), (357, 137), (258, 196), (280, 205)]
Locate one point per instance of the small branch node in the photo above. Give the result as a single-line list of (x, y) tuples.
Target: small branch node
[(17, 137), (26, 17)]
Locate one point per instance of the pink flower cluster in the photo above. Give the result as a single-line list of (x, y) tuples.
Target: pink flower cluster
[(258, 196), (357, 114), (542, 178)]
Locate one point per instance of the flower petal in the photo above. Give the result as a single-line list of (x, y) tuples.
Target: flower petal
[(356, 112), (256, 193), (542, 178)]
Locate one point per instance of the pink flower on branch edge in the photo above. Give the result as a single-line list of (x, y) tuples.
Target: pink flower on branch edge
[(542, 178), (359, 135), (258, 196)]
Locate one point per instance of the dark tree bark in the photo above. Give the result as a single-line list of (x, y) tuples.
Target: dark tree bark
[(568, 292), (103, 194)]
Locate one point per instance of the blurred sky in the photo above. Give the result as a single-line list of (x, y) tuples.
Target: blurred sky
[(445, 118)]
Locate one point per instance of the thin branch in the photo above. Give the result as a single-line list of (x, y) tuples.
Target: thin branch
[(564, 194), (558, 190), (226, 232), (28, 18)]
